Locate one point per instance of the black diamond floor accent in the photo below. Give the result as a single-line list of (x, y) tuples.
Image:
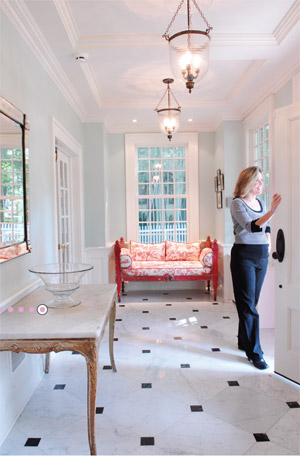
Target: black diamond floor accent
[(215, 303), (185, 366), (195, 310), (121, 305), (226, 318), (215, 349), (233, 383), (196, 408), (172, 318), (118, 319), (293, 404), (59, 387), (189, 298), (146, 385), (107, 367), (146, 351), (147, 441), (168, 304), (145, 311), (99, 410), (145, 299), (203, 327), (261, 437), (32, 442), (145, 328), (116, 339)]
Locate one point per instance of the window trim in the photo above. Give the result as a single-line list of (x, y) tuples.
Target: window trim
[(262, 114), (187, 140)]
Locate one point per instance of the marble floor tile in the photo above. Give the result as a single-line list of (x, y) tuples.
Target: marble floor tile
[(225, 417)]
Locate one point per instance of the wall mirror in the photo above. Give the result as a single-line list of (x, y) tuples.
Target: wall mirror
[(14, 207)]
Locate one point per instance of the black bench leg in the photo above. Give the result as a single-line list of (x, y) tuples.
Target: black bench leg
[(208, 287), (123, 287)]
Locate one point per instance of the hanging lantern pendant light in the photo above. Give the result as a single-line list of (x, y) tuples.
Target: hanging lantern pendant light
[(168, 117), (189, 49)]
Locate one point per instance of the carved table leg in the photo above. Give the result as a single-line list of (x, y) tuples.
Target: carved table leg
[(111, 335), (92, 372)]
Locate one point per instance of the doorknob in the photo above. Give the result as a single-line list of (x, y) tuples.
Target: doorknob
[(280, 246)]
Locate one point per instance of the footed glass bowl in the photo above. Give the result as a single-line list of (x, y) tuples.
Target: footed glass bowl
[(61, 280)]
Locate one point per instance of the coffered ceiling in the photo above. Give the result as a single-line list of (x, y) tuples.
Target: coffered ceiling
[(254, 50)]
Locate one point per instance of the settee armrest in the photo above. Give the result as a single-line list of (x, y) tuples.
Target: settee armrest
[(125, 258)]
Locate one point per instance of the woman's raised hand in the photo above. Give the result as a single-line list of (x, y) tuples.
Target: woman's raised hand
[(275, 202)]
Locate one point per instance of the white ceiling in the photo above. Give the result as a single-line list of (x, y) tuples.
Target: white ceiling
[(254, 50)]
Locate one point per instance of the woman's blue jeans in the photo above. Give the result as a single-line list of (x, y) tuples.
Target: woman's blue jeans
[(248, 269)]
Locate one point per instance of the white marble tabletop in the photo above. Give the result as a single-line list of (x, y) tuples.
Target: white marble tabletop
[(87, 320)]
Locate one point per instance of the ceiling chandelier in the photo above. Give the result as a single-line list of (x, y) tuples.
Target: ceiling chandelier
[(189, 49), (168, 118)]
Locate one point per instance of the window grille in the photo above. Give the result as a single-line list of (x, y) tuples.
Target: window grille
[(162, 194), (261, 157), (12, 208)]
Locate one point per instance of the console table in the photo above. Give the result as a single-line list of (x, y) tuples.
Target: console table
[(77, 329)]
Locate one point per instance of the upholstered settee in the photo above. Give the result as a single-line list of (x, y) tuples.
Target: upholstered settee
[(166, 261)]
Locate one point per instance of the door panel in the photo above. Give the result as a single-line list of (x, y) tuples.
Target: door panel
[(63, 207), (287, 282)]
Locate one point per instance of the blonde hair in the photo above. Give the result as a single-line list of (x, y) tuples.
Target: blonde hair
[(246, 181)]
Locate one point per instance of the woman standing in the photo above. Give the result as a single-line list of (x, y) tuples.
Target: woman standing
[(249, 257)]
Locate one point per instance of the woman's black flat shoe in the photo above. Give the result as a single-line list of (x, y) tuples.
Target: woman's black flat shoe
[(261, 364)]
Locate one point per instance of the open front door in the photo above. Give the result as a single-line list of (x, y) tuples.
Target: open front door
[(287, 219)]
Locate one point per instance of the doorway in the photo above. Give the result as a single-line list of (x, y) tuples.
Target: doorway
[(68, 191)]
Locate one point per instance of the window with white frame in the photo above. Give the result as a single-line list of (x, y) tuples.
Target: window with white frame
[(162, 196), (261, 156), (162, 188)]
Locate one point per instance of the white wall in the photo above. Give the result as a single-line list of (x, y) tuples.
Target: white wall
[(25, 84)]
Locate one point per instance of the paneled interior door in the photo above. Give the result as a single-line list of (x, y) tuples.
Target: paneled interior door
[(287, 219), (64, 218)]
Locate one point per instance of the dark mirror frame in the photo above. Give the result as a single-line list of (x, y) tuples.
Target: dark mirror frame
[(15, 249)]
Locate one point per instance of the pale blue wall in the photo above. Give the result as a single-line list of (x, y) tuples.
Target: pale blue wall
[(116, 187), (284, 96), (229, 157), (24, 83), (206, 185), (94, 184)]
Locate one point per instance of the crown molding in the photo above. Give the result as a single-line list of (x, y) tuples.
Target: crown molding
[(273, 85), (92, 82), (287, 22), (68, 21), (131, 40), (248, 75), (22, 20)]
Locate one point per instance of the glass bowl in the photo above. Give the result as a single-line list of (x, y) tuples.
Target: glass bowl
[(61, 280)]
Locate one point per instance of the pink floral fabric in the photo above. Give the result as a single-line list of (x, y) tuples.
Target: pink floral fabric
[(125, 258), (147, 252), (166, 268), (206, 257), (181, 251)]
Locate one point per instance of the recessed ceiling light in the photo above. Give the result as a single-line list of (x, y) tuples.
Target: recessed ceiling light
[(134, 120), (190, 120)]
